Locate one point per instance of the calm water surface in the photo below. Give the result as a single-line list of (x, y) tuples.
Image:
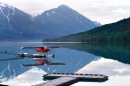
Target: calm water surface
[(112, 60)]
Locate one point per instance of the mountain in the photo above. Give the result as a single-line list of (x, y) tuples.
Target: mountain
[(118, 32), (17, 25), (63, 21)]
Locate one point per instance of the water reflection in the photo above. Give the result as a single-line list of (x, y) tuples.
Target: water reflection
[(108, 67), (73, 59), (108, 59), (31, 77), (118, 52), (119, 73), (11, 69)]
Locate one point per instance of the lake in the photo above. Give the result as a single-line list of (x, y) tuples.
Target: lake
[(112, 60)]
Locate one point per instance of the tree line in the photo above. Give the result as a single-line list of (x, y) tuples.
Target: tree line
[(114, 32)]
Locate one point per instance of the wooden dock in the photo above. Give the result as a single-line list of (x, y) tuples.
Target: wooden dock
[(65, 79), (83, 77), (62, 81)]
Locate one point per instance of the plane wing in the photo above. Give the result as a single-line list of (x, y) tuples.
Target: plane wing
[(55, 46), (24, 65), (30, 47), (33, 47)]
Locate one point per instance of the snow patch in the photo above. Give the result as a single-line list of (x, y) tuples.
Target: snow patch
[(96, 23), (14, 72), (2, 74), (9, 68), (9, 19), (48, 69), (3, 5), (3, 12), (13, 10), (54, 70), (8, 14), (47, 14), (78, 20), (53, 12)]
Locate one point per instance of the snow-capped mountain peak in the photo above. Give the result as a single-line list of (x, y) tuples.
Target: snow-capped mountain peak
[(8, 8), (6, 5), (3, 5), (63, 6), (62, 21)]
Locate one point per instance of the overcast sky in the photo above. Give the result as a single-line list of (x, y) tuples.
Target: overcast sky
[(104, 11)]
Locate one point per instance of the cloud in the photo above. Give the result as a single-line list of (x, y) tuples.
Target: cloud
[(105, 66), (30, 77), (98, 10), (106, 13)]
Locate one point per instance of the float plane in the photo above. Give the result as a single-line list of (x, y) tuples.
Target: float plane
[(42, 49), (26, 55), (41, 62)]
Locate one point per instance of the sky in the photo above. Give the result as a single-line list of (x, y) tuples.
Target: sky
[(103, 11)]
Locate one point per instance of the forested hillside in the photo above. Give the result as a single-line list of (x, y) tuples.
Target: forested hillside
[(114, 32)]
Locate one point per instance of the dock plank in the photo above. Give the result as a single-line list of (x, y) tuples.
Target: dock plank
[(62, 81)]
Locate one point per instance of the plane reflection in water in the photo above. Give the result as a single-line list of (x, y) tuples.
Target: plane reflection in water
[(41, 62)]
